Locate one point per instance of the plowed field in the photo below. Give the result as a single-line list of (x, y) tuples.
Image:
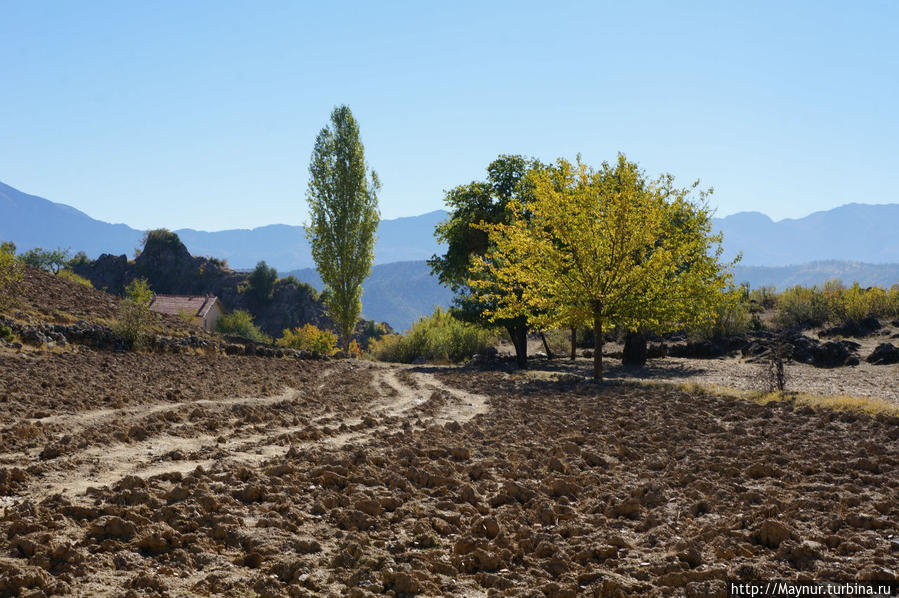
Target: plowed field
[(190, 475)]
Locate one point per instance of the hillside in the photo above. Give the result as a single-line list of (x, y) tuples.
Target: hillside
[(170, 269)]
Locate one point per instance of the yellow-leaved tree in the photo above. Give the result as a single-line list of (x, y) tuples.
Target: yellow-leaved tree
[(609, 248)]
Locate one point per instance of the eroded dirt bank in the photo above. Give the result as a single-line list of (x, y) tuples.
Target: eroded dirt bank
[(191, 475)]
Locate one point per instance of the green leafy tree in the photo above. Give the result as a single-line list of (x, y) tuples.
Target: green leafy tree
[(10, 275), (470, 206), (261, 282), (606, 246), (48, 260), (134, 313), (343, 209)]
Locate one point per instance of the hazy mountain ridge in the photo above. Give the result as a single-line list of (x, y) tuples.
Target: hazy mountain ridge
[(854, 232), (31, 221)]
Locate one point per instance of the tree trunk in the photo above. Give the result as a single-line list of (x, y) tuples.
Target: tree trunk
[(573, 344), (519, 336), (549, 353), (634, 353), (597, 345)]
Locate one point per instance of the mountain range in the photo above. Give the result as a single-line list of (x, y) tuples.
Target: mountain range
[(854, 242), (30, 221)]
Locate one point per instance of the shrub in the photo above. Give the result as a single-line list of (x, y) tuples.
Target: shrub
[(187, 317), (763, 297), (731, 316), (134, 313), (80, 259), (10, 276), (72, 277), (46, 259), (857, 303), (309, 338), (803, 307), (6, 333), (240, 323), (438, 337), (834, 303), (261, 282), (354, 349)]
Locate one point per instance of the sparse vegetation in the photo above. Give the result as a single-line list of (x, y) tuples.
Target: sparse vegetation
[(10, 275), (240, 323), (134, 313), (187, 316), (439, 337), (48, 260), (72, 277), (309, 338)]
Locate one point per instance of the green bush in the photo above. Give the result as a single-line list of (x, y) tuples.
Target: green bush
[(833, 303), (134, 313), (48, 260), (304, 287), (309, 338), (857, 303), (72, 277), (240, 323), (10, 276), (261, 282), (80, 259), (731, 316), (803, 307), (438, 337), (6, 333)]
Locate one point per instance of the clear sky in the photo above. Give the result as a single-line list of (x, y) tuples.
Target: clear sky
[(203, 114)]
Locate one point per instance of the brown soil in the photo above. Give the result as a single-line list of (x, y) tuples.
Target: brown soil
[(209, 475)]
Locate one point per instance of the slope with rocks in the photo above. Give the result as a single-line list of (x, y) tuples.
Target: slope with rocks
[(170, 269)]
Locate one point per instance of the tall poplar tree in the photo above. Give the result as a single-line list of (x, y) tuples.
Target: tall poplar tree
[(343, 211)]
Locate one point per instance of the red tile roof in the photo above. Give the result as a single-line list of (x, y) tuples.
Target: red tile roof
[(195, 305)]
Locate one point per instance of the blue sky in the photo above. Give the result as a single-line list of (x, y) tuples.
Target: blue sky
[(203, 114)]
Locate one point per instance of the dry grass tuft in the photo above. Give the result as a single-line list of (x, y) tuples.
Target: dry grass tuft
[(868, 405)]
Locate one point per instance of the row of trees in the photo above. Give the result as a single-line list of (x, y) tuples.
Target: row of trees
[(540, 246)]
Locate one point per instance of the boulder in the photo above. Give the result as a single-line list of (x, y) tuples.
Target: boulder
[(854, 328), (884, 354)]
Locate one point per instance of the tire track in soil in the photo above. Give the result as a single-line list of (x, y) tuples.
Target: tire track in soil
[(421, 402)]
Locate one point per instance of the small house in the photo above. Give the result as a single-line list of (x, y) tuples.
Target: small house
[(203, 310)]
